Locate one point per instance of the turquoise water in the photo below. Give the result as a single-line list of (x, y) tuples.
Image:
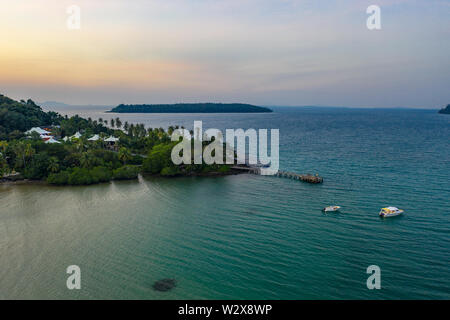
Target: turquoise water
[(246, 236)]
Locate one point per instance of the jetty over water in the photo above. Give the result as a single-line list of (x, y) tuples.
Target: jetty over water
[(310, 178), (302, 177)]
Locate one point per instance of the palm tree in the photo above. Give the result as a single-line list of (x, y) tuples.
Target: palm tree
[(85, 160), (131, 130), (138, 130), (118, 123), (124, 155), (79, 145), (170, 130), (112, 123), (29, 151), (53, 165), (143, 131), (3, 146), (125, 126), (23, 151)]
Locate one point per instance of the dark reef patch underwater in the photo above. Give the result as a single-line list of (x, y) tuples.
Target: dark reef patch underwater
[(164, 285)]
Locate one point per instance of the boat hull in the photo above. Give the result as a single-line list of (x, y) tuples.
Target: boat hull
[(331, 209), (387, 215)]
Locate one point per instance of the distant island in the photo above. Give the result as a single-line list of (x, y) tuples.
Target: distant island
[(190, 108), (445, 110)]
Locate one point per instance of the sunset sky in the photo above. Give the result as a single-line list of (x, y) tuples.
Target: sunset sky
[(277, 52)]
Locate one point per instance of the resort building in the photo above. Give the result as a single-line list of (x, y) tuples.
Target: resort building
[(38, 130), (111, 143), (51, 140), (76, 136), (94, 138), (44, 134)]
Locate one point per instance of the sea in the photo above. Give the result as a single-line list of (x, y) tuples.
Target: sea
[(249, 236)]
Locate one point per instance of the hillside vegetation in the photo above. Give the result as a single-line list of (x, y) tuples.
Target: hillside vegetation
[(22, 115), (80, 161)]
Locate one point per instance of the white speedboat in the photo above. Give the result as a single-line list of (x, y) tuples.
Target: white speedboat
[(390, 212), (331, 208)]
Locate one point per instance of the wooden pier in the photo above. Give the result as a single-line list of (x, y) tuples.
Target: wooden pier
[(310, 178), (302, 177)]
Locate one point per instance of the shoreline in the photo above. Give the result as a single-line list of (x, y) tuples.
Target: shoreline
[(6, 182)]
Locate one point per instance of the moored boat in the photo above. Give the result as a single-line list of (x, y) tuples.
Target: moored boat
[(390, 212), (331, 208)]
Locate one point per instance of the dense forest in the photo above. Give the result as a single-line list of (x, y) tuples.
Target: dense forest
[(80, 161), (16, 117), (190, 108)]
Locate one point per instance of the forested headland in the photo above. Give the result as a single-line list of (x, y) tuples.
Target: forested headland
[(80, 152)]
